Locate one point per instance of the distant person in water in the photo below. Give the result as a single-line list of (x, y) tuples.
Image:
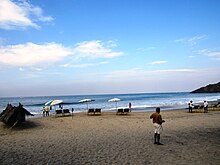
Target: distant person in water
[(157, 122), (205, 106), (129, 106), (190, 104)]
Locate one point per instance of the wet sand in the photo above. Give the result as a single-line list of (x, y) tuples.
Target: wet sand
[(188, 138)]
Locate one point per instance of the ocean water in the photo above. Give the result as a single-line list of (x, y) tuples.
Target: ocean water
[(140, 102)]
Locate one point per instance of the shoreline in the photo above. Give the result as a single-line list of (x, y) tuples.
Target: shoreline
[(134, 110), (140, 102)]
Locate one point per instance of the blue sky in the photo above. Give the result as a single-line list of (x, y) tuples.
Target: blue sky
[(76, 47)]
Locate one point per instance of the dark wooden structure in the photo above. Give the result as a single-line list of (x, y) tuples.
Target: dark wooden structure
[(13, 115)]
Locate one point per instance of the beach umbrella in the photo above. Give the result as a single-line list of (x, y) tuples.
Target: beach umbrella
[(114, 100), (87, 102), (53, 102)]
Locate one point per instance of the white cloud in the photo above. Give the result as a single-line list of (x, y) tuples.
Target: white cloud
[(112, 43), (95, 49), (158, 62), (191, 41), (215, 55), (202, 51), (20, 15), (31, 54), (36, 69), (191, 56), (147, 49), (137, 73), (85, 65), (140, 80), (35, 11), (195, 39)]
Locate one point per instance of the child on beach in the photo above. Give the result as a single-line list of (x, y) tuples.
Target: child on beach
[(157, 122)]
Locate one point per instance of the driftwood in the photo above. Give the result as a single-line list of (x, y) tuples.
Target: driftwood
[(13, 115)]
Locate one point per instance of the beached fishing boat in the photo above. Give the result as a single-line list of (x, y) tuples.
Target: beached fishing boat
[(13, 115)]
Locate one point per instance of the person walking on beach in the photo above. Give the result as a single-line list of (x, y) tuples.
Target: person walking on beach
[(157, 122), (190, 104), (206, 107), (129, 106)]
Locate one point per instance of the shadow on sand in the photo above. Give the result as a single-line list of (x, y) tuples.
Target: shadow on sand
[(22, 126)]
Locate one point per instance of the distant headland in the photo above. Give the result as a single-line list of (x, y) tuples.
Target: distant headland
[(211, 88)]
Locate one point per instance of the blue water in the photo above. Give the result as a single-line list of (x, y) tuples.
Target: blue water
[(140, 102)]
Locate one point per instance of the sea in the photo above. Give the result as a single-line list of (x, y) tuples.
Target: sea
[(141, 102)]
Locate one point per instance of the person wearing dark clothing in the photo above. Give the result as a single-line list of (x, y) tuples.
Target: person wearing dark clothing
[(129, 106), (190, 106)]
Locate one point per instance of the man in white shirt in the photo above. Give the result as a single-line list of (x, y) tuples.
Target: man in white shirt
[(205, 106)]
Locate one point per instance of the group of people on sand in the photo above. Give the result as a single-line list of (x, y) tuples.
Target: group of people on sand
[(46, 111), (205, 106)]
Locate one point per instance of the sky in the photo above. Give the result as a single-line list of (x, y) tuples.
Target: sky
[(77, 47)]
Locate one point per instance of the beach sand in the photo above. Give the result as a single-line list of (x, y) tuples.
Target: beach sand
[(189, 138)]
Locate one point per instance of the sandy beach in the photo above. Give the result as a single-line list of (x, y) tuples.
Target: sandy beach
[(188, 138)]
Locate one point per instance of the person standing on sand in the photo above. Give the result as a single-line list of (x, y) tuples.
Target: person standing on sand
[(44, 111), (205, 106), (47, 110), (157, 122), (190, 104), (129, 106)]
